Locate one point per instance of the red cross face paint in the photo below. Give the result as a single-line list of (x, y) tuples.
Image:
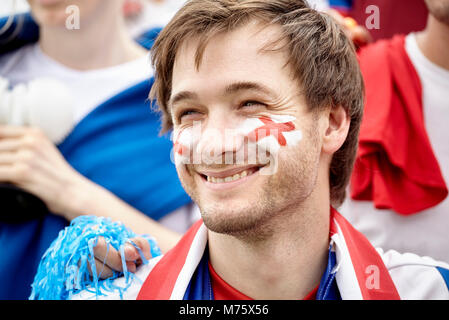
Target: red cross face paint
[(265, 137), (269, 134), (272, 132), (183, 141)]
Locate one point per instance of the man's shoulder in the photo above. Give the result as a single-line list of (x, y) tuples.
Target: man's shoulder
[(417, 277), (120, 288)]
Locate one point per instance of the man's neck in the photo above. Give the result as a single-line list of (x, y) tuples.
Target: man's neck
[(287, 265), (434, 42), (97, 44)]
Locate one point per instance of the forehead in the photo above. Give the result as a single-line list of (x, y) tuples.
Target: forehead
[(234, 56)]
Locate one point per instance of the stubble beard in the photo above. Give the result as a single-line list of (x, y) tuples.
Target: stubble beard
[(281, 195)]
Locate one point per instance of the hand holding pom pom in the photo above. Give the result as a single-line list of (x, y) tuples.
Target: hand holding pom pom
[(71, 264)]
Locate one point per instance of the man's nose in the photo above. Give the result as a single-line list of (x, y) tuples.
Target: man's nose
[(220, 139)]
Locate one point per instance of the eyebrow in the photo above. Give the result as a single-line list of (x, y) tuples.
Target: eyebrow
[(183, 95), (230, 89), (247, 85)]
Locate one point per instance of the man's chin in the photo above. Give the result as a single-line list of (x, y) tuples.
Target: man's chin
[(233, 220)]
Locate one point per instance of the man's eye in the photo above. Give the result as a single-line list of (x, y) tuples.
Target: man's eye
[(251, 104), (188, 114)]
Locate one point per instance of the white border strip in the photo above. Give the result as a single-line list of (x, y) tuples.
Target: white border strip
[(346, 277), (194, 256)]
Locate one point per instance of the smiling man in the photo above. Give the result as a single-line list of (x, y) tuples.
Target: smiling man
[(283, 78)]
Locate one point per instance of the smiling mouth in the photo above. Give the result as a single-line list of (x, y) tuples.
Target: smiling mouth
[(229, 175)]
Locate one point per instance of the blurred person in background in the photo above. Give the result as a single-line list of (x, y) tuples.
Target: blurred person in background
[(112, 163), (398, 191)]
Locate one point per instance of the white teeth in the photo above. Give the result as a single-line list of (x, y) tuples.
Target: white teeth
[(227, 179)]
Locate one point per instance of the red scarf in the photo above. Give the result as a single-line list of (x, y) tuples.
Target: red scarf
[(395, 166), (171, 275)]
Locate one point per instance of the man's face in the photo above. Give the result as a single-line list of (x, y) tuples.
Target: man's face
[(439, 9), (235, 82)]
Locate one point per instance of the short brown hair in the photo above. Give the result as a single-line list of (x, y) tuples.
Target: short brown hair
[(322, 58)]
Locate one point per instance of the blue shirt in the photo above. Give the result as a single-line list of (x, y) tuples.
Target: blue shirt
[(116, 146), (200, 287)]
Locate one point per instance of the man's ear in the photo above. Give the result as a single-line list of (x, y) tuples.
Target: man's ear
[(337, 129)]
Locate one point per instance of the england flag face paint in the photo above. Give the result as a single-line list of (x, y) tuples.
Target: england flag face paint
[(265, 135), (270, 134)]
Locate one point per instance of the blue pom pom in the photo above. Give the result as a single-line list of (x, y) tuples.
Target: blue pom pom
[(64, 267)]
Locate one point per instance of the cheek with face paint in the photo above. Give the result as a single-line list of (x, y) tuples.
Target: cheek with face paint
[(266, 136), (182, 145), (185, 141), (269, 135)]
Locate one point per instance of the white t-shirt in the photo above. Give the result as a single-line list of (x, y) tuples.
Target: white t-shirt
[(427, 232), (90, 89)]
